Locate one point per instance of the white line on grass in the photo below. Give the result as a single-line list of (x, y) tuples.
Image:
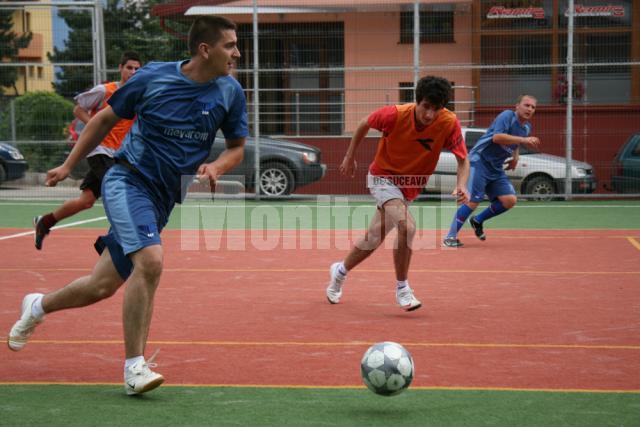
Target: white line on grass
[(71, 224)]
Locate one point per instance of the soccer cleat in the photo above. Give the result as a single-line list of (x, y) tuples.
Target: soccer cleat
[(41, 231), (452, 242), (477, 228), (334, 290), (140, 379), (24, 327), (406, 299)]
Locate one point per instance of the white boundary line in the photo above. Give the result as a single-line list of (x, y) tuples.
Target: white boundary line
[(71, 224)]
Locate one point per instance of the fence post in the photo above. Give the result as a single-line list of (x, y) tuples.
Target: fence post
[(12, 118), (569, 126), (297, 113)]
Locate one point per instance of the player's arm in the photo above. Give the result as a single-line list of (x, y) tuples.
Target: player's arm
[(462, 176), (230, 158), (88, 101), (506, 139), (349, 164), (81, 114), (458, 147), (91, 136)]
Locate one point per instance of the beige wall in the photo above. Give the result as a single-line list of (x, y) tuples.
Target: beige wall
[(37, 77)]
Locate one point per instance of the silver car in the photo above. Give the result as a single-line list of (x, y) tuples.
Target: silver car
[(539, 175)]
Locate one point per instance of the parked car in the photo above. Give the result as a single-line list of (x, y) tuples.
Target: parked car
[(539, 175), (626, 167), (284, 165), (12, 163)]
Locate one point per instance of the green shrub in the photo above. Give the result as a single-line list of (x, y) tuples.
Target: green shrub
[(39, 116)]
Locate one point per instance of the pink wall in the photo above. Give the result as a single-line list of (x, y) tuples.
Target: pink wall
[(371, 39)]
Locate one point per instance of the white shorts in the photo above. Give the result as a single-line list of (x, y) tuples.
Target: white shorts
[(383, 190)]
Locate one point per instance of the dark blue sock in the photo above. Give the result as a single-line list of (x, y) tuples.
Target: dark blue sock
[(459, 218), (494, 209)]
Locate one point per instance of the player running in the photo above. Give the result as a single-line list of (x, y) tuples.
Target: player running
[(179, 107), (413, 136), (501, 142), (89, 103)]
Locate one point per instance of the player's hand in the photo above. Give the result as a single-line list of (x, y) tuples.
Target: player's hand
[(462, 195), (348, 167), (207, 172), (511, 164), (56, 175), (532, 142)]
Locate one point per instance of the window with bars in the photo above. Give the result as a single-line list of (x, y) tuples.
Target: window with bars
[(435, 27)]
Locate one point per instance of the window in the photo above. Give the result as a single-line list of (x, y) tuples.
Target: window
[(406, 92), (435, 27), (300, 102)]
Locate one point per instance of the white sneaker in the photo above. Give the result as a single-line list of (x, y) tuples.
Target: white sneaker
[(140, 379), (24, 327), (334, 290), (406, 300)]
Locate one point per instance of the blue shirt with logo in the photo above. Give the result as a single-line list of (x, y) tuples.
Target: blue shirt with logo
[(495, 155), (176, 123)]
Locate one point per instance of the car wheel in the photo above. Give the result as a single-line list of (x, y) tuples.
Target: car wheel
[(276, 179), (540, 188), (3, 174)]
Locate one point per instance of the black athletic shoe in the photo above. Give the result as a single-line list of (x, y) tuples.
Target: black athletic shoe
[(477, 228), (41, 231), (452, 242)]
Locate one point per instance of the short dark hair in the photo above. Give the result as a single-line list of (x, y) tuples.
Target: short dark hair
[(521, 97), (129, 55), (208, 29), (436, 90)]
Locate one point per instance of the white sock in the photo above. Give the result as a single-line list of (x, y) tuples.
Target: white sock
[(130, 362), (402, 283), (36, 308), (341, 270)]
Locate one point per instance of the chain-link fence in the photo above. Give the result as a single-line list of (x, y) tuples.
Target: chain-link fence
[(314, 69)]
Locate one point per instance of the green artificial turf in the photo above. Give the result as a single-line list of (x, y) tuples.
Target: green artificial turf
[(91, 405), (337, 213)]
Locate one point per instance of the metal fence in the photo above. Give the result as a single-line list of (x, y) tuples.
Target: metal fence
[(313, 69)]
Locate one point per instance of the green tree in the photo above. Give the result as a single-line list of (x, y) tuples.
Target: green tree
[(40, 116), (128, 25), (10, 42)]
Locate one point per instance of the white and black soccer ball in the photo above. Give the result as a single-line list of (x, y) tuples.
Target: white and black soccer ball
[(387, 368)]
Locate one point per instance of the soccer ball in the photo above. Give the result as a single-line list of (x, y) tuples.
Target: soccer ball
[(387, 368)]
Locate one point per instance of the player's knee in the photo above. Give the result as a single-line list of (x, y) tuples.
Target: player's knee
[(509, 202), (407, 228), (104, 289), (150, 266), (87, 204), (370, 242)]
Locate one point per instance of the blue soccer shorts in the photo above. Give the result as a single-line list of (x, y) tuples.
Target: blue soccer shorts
[(135, 216), (486, 181)]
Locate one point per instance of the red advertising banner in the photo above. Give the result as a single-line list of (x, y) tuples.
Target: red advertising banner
[(501, 12)]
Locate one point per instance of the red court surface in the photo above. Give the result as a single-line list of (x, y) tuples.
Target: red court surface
[(525, 309)]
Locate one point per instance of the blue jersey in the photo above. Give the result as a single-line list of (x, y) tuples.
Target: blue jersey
[(176, 123), (493, 154)]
